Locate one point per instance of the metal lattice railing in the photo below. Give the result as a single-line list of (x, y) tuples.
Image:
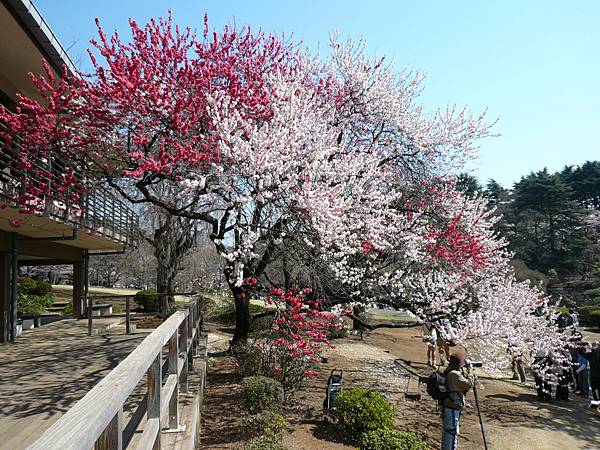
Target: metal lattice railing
[(92, 207)]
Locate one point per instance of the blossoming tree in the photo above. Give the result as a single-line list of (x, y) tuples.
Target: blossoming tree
[(269, 146)]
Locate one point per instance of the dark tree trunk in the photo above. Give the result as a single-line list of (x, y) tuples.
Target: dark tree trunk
[(172, 240), (242, 315), (162, 286)]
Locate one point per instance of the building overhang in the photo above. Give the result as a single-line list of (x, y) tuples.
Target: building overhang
[(26, 38), (34, 227)]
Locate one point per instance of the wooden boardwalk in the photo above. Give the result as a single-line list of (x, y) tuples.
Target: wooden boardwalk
[(48, 370)]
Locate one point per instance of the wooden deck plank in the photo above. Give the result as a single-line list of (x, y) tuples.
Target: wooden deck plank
[(48, 370)]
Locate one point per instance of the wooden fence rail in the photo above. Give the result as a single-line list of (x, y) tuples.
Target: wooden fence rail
[(96, 421), (87, 304)]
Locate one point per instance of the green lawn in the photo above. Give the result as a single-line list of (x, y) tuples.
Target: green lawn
[(97, 290)]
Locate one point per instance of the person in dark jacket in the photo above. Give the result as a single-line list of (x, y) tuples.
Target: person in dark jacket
[(457, 385), (594, 360)]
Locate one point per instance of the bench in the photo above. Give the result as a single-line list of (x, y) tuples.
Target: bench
[(28, 321), (102, 310)]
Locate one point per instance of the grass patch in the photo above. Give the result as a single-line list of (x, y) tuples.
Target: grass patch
[(392, 317)]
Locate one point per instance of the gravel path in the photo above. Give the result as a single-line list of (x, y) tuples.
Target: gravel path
[(376, 365)]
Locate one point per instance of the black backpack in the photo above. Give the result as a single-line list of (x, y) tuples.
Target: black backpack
[(436, 386)]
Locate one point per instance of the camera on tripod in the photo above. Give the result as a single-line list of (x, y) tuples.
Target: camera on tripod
[(472, 363)]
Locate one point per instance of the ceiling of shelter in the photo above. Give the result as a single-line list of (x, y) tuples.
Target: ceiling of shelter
[(18, 56), (42, 227)]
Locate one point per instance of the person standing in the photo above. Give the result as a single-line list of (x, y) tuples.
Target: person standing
[(574, 319), (457, 385), (540, 368), (583, 372), (518, 371), (443, 340), (430, 338), (594, 361)]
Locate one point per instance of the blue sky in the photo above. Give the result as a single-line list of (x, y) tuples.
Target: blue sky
[(534, 65)]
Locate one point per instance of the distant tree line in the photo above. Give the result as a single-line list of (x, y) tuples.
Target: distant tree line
[(552, 220)]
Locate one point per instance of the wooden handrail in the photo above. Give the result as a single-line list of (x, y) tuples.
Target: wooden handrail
[(87, 302), (96, 421)]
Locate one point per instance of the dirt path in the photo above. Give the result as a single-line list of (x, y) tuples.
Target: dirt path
[(514, 418)]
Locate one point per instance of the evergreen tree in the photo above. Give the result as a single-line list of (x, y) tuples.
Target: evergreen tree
[(495, 192), (584, 180), (468, 184), (546, 226)]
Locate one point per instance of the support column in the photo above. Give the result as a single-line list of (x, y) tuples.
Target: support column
[(4, 296), (14, 278), (77, 289), (86, 273)]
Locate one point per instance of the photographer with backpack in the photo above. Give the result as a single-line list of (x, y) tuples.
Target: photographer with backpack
[(457, 385)]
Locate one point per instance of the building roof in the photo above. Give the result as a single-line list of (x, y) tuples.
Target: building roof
[(30, 18)]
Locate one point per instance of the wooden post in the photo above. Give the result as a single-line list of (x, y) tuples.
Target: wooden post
[(183, 380), (127, 316), (89, 314), (4, 296), (112, 437), (190, 331), (14, 275), (195, 327), (174, 402), (199, 322), (153, 398)]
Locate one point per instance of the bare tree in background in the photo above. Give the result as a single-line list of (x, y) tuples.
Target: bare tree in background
[(172, 238), (202, 266)]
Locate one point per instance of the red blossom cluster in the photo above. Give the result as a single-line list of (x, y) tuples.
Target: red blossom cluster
[(455, 245), (145, 111), (301, 328)]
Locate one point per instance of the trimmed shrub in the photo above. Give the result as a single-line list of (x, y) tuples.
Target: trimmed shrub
[(225, 313), (595, 317), (388, 439), (29, 286), (265, 444), (34, 296), (358, 410), (269, 424), (263, 357), (262, 324), (593, 292), (248, 359), (68, 309), (34, 304), (262, 394), (584, 314), (148, 299)]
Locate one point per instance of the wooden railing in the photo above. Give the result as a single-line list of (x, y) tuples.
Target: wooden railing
[(96, 421), (88, 302)]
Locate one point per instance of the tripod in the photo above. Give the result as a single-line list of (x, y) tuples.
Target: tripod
[(479, 411)]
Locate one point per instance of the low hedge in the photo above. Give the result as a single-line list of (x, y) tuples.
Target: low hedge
[(262, 394), (148, 299), (226, 313), (358, 410), (34, 296), (34, 304), (268, 424), (388, 439), (30, 286), (265, 444)]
